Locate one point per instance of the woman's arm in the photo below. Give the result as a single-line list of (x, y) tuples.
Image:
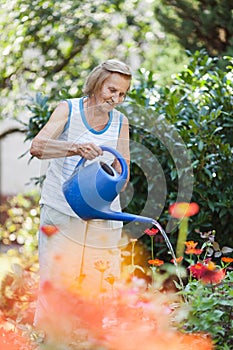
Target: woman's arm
[(45, 145)]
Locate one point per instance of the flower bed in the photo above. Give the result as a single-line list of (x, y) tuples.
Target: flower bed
[(182, 303)]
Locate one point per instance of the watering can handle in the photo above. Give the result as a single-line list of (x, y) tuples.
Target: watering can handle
[(124, 169)]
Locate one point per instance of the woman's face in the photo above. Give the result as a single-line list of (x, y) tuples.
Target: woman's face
[(112, 91)]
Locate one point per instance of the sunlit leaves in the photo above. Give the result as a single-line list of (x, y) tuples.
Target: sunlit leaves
[(49, 46), (22, 221)]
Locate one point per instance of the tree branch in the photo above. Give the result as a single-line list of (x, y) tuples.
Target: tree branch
[(10, 130), (79, 46)]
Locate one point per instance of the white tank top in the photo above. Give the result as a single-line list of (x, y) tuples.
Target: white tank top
[(77, 130)]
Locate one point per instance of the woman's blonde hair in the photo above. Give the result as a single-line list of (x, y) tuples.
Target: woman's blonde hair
[(100, 73)]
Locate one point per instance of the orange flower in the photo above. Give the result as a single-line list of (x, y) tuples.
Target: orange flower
[(111, 279), (210, 266), (49, 230), (193, 251), (195, 341), (181, 209), (191, 244), (151, 232), (178, 260), (227, 259), (156, 262), (102, 265)]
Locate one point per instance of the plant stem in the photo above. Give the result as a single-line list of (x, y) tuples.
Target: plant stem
[(152, 247), (133, 254), (182, 236), (101, 282)]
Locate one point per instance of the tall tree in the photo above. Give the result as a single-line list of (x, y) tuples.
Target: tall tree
[(199, 24), (49, 45)]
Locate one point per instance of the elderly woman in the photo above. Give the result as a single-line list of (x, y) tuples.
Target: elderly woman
[(77, 128)]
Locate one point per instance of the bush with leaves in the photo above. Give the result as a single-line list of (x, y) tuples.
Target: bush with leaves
[(211, 310), (197, 104)]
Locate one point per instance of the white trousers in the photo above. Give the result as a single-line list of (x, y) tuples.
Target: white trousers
[(72, 257)]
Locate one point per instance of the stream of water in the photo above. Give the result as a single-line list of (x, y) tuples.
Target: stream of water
[(170, 248)]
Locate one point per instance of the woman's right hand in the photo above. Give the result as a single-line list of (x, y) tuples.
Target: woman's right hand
[(89, 150)]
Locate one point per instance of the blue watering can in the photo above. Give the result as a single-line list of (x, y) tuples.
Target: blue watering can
[(91, 190)]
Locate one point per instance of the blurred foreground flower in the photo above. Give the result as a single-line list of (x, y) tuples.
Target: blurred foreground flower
[(102, 266), (49, 230), (131, 319), (183, 211), (14, 338)]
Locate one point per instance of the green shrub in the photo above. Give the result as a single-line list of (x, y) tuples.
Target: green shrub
[(211, 310), (198, 106)]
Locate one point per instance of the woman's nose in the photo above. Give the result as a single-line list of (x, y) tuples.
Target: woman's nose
[(116, 97)]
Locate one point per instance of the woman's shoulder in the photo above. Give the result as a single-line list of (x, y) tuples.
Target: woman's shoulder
[(121, 117), (118, 113), (73, 100)]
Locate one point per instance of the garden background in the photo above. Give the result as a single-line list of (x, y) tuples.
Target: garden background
[(181, 56)]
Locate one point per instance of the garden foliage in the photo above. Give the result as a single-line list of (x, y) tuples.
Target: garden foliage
[(192, 22), (197, 105), (211, 310), (46, 45), (196, 313), (187, 127)]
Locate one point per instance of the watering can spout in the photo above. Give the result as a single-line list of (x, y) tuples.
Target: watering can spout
[(119, 216), (91, 190)]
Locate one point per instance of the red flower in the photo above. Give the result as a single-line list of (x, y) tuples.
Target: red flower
[(151, 232), (49, 230), (156, 262), (213, 277), (207, 272), (197, 270), (181, 209)]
